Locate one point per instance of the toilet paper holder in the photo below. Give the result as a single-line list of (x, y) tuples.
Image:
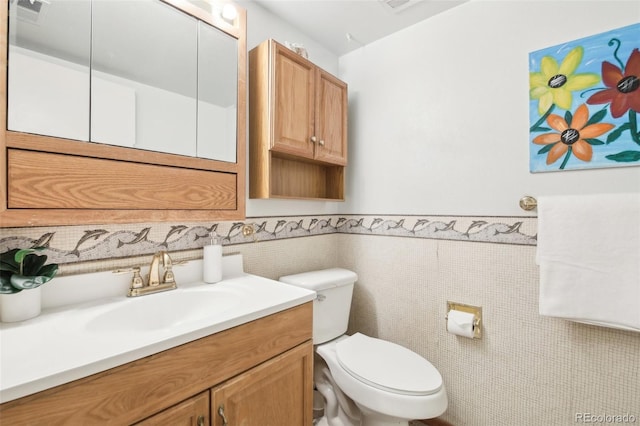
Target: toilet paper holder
[(475, 310)]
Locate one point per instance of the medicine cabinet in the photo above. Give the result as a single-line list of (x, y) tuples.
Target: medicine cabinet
[(298, 126), (122, 111)]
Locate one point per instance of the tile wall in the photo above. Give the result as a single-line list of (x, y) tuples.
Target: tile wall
[(526, 370)]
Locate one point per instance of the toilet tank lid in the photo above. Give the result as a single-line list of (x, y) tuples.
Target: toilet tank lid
[(322, 279)]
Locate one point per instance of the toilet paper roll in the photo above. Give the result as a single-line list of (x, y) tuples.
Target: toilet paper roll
[(460, 323)]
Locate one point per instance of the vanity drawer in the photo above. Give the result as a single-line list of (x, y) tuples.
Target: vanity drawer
[(41, 180)]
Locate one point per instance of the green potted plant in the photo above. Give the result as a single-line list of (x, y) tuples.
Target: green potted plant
[(22, 272)]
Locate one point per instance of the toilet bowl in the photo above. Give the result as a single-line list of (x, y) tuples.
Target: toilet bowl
[(389, 383), (365, 381)]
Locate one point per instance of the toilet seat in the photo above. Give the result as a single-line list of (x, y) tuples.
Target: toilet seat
[(387, 366)]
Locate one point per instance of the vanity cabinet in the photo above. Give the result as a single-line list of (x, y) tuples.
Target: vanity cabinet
[(261, 372), (192, 412), (270, 394), (297, 126)]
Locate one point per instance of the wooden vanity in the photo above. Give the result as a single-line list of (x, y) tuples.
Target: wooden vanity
[(258, 373)]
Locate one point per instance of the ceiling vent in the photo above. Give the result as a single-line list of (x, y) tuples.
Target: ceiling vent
[(30, 10), (397, 6)]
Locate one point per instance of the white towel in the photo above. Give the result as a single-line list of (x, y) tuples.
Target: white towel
[(589, 257)]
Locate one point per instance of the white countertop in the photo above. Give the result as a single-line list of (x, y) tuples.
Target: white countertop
[(69, 342)]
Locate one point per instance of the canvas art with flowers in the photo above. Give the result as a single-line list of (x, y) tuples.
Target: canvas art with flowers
[(584, 108)]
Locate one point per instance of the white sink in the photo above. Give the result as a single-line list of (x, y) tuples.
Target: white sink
[(68, 342), (164, 310)]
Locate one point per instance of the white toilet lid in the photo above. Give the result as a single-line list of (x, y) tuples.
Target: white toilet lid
[(387, 366)]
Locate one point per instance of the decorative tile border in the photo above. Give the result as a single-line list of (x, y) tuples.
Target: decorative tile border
[(506, 230), (74, 244)]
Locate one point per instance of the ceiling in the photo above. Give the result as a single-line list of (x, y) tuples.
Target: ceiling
[(345, 25)]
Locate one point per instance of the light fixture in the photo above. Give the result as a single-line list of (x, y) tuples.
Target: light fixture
[(229, 12)]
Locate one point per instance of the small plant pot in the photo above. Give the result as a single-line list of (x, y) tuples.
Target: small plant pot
[(20, 306)]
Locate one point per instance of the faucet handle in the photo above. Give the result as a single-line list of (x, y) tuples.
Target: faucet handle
[(169, 277), (136, 281)]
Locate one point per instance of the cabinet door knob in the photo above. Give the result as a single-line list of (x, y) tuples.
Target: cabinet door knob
[(221, 413), (200, 421), (314, 139), (321, 142)]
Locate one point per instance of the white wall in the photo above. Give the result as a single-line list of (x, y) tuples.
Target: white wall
[(262, 25), (438, 113)]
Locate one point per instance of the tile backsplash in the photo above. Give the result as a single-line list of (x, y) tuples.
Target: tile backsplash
[(87, 248)]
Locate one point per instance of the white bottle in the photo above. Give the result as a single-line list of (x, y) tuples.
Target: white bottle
[(212, 261)]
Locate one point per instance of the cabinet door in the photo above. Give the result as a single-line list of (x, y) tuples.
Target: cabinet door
[(275, 393), (192, 412), (292, 103), (331, 119)]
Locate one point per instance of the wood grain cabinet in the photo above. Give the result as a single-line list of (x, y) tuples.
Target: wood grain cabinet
[(272, 394), (298, 126), (192, 412), (258, 373), (49, 180)]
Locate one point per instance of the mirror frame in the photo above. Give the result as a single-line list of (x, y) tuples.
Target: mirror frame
[(154, 168)]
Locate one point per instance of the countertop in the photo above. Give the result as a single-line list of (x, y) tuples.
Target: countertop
[(68, 342)]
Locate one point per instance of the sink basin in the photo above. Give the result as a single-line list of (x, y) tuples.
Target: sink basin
[(86, 331), (163, 310)]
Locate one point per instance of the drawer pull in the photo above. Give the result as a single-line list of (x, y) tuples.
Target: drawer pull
[(221, 413)]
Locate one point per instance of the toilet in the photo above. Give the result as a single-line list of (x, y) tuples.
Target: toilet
[(364, 381)]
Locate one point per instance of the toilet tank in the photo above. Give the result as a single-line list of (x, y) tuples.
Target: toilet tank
[(332, 305)]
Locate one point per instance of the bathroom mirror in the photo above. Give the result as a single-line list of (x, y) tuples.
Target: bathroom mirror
[(49, 68), (140, 74), (217, 98), (121, 111), (144, 78)]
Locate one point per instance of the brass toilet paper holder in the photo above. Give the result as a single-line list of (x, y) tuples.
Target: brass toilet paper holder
[(475, 310)]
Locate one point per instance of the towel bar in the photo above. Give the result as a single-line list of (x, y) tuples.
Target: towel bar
[(528, 203)]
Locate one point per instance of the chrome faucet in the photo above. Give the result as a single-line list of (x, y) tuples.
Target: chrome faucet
[(154, 283)]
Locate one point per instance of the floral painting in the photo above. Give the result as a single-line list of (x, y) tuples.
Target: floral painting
[(584, 108)]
